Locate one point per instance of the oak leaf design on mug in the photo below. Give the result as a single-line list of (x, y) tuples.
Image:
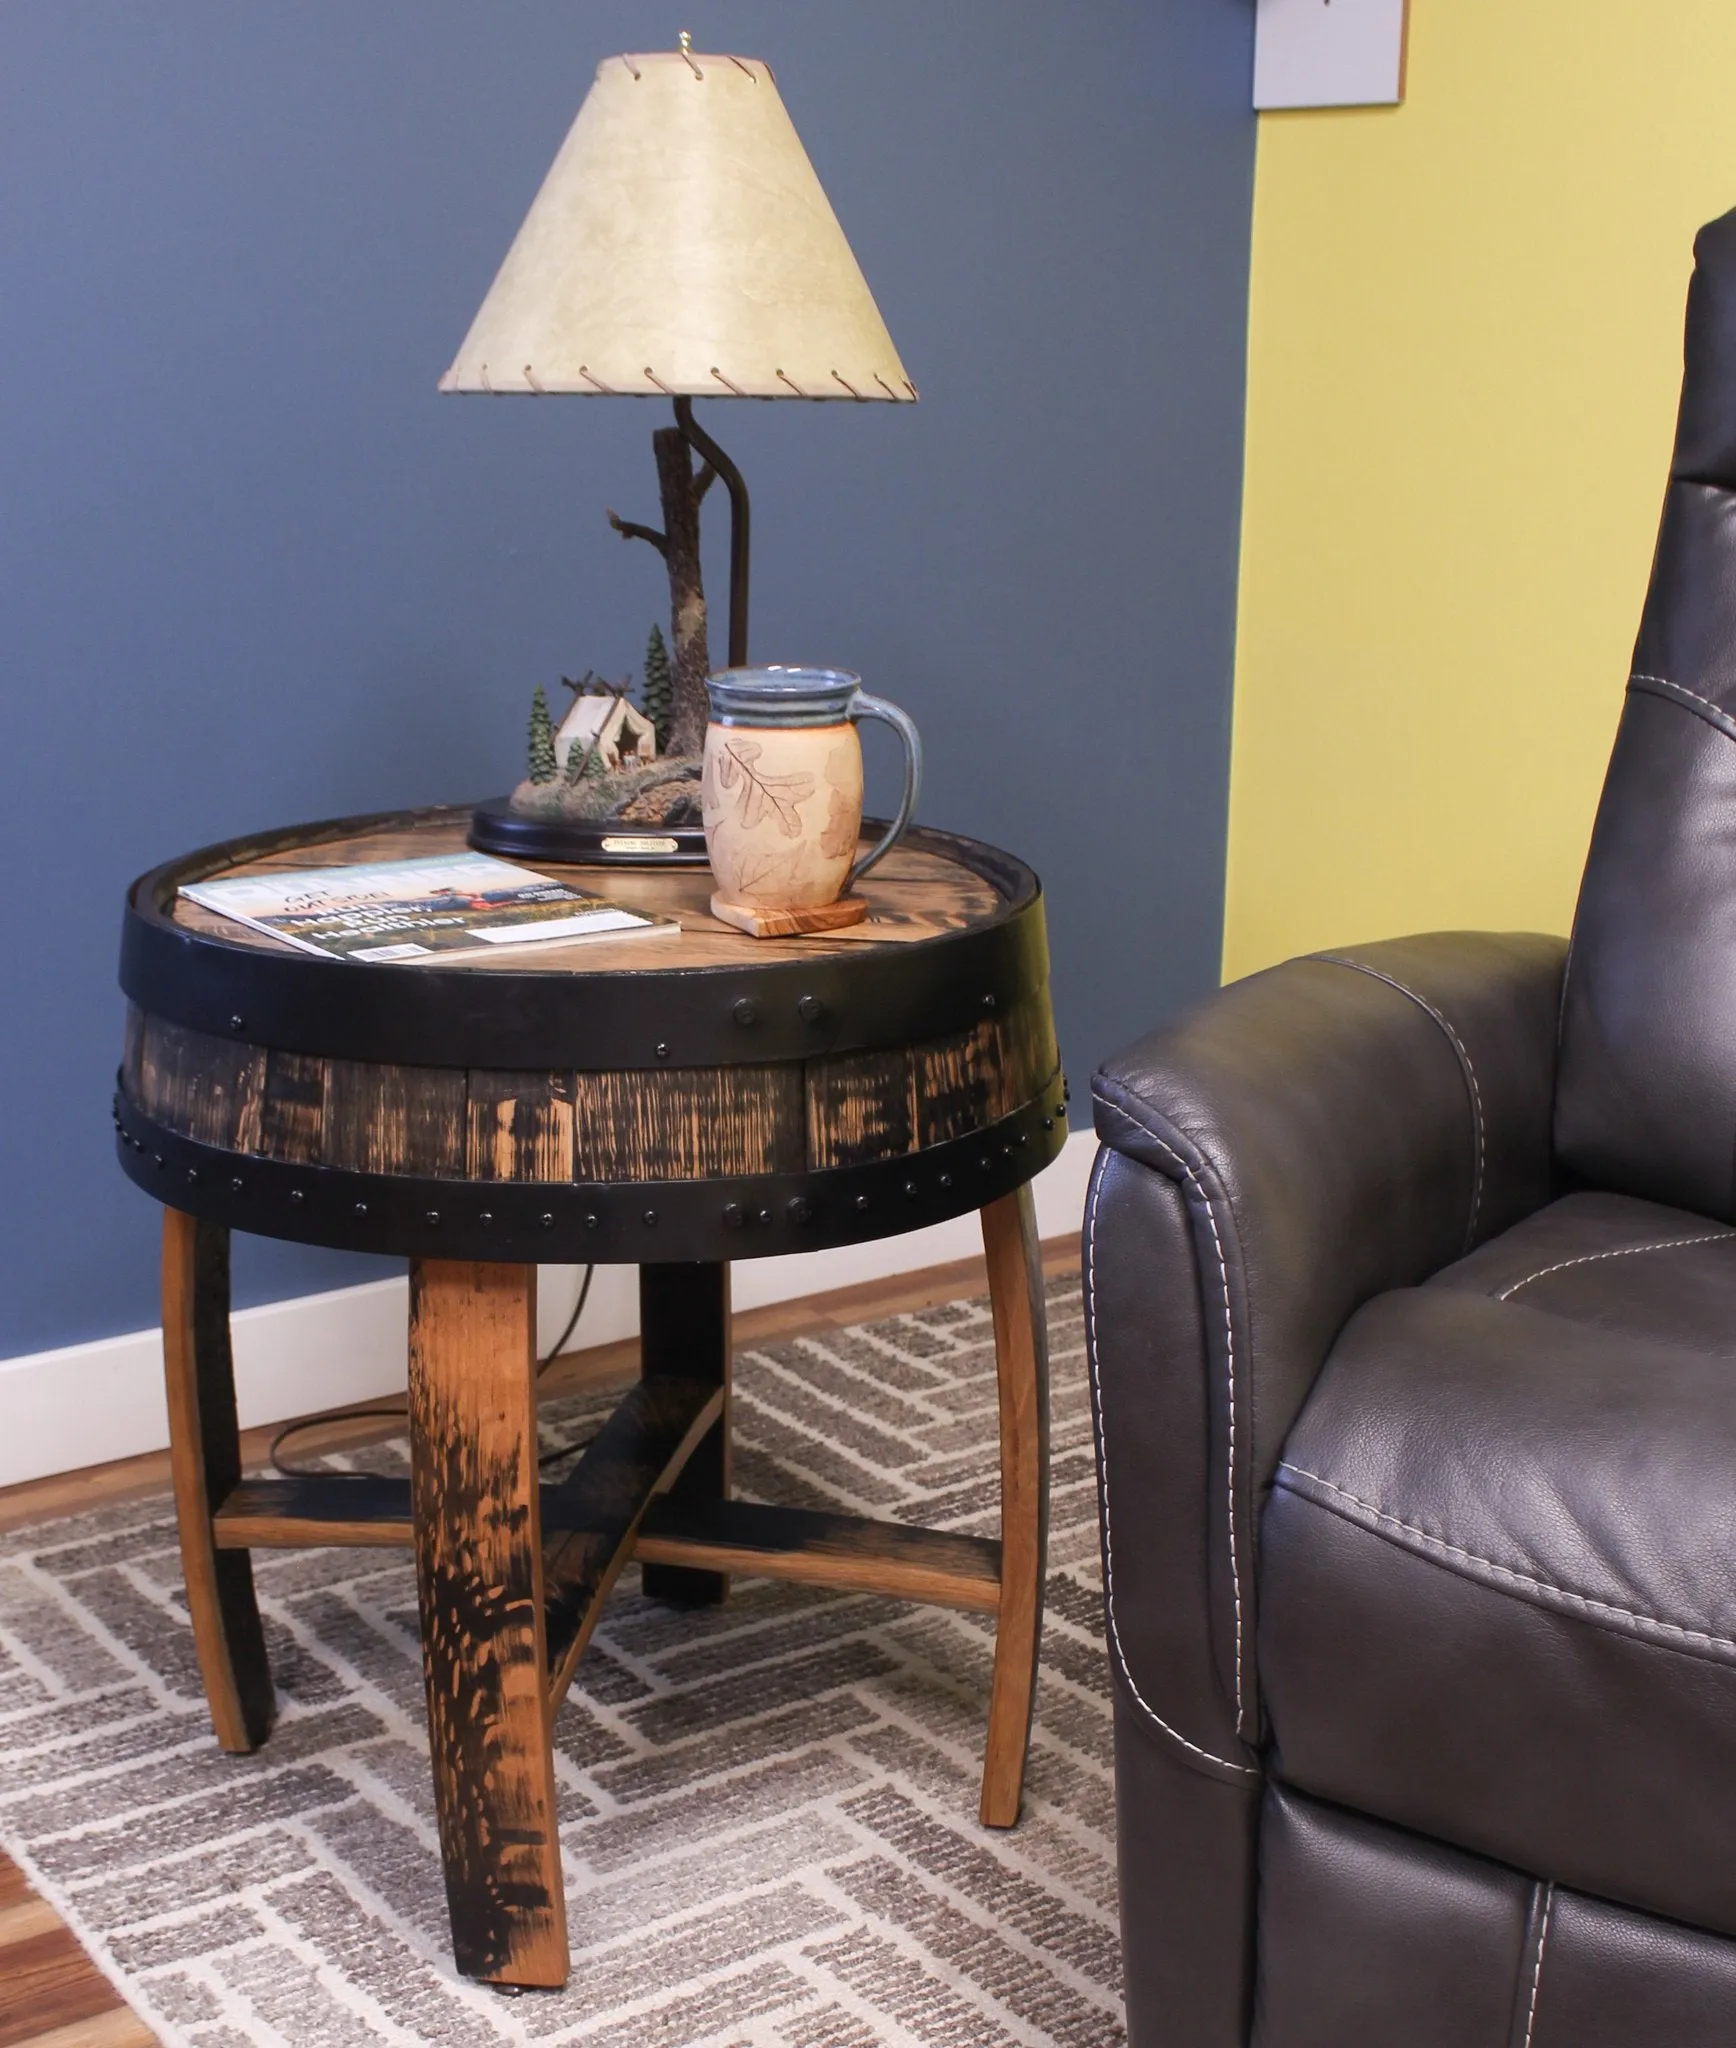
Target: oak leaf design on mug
[(779, 794), (842, 821), (765, 870)]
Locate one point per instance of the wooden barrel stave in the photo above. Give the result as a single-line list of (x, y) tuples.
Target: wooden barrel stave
[(519, 1127), (688, 1123)]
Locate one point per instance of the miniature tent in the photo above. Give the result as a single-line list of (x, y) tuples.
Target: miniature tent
[(623, 734)]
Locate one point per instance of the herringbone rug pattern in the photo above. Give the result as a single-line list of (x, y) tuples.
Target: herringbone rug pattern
[(768, 1809)]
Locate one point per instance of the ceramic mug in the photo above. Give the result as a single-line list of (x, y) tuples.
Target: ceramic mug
[(782, 787)]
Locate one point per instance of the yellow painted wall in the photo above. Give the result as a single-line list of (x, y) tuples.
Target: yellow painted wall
[(1465, 344)]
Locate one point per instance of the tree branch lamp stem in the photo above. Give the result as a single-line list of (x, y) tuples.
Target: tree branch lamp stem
[(698, 439)]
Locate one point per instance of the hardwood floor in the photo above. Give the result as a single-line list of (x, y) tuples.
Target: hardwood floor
[(51, 1994)]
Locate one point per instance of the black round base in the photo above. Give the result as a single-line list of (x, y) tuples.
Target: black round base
[(495, 827)]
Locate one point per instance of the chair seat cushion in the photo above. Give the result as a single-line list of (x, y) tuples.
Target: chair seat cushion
[(1498, 1577)]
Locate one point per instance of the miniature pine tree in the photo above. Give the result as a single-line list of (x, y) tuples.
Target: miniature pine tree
[(542, 739), (659, 689)]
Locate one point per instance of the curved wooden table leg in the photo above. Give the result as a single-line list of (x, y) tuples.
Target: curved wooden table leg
[(1022, 1371), (475, 1504), (205, 1455)]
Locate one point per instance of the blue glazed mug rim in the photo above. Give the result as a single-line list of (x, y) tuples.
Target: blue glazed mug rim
[(782, 696)]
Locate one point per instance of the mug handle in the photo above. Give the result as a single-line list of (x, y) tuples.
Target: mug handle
[(864, 706)]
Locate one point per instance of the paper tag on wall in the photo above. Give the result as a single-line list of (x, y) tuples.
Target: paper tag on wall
[(1329, 53)]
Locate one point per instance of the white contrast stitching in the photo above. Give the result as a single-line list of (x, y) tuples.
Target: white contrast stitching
[(1537, 1971), (1681, 690), (1717, 717), (1502, 1571), (1626, 1251), (1458, 1045), (1230, 1380), (1108, 1539)]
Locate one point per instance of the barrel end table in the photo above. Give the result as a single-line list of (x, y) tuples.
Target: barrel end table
[(736, 1098)]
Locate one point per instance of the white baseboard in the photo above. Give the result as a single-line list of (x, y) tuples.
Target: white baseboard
[(86, 1404)]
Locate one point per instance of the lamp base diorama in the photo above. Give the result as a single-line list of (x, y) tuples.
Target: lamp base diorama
[(618, 783), (681, 246)]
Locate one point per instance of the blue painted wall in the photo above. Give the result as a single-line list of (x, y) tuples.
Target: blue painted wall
[(253, 568)]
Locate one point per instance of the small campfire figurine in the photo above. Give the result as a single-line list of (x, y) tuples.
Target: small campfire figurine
[(610, 759)]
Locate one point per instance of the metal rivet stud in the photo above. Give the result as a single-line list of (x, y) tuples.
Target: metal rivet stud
[(988, 1002), (746, 1010), (764, 1216), (734, 1215), (1048, 1123), (296, 1195), (911, 1191), (486, 1219), (238, 1023), (433, 1216), (361, 1208), (946, 1180), (192, 1173), (810, 1009), (985, 1164), (649, 1219), (798, 1209), (592, 1220), (662, 1049), (235, 1186), (546, 1220), (158, 1157), (862, 1203)]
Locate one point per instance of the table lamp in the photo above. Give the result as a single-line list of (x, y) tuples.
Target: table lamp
[(681, 247)]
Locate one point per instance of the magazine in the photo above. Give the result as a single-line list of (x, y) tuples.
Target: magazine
[(448, 907)]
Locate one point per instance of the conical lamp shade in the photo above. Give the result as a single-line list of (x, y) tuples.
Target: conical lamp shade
[(681, 244)]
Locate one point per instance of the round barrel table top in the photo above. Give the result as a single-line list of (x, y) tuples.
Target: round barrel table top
[(709, 1095)]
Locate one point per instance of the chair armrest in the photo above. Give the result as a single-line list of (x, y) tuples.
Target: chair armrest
[(1327, 1130)]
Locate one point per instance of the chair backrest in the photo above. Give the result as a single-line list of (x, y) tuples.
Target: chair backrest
[(1646, 1098)]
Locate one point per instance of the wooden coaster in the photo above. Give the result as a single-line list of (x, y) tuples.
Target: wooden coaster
[(784, 924)]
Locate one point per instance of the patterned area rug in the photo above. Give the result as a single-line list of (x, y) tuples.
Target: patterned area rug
[(768, 1809)]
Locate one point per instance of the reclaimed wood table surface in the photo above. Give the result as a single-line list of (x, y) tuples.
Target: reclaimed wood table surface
[(675, 1104)]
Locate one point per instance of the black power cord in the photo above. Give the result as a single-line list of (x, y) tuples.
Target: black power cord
[(554, 1457), (399, 1411)]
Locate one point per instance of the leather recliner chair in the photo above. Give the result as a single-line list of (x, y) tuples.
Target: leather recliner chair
[(1411, 1286)]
